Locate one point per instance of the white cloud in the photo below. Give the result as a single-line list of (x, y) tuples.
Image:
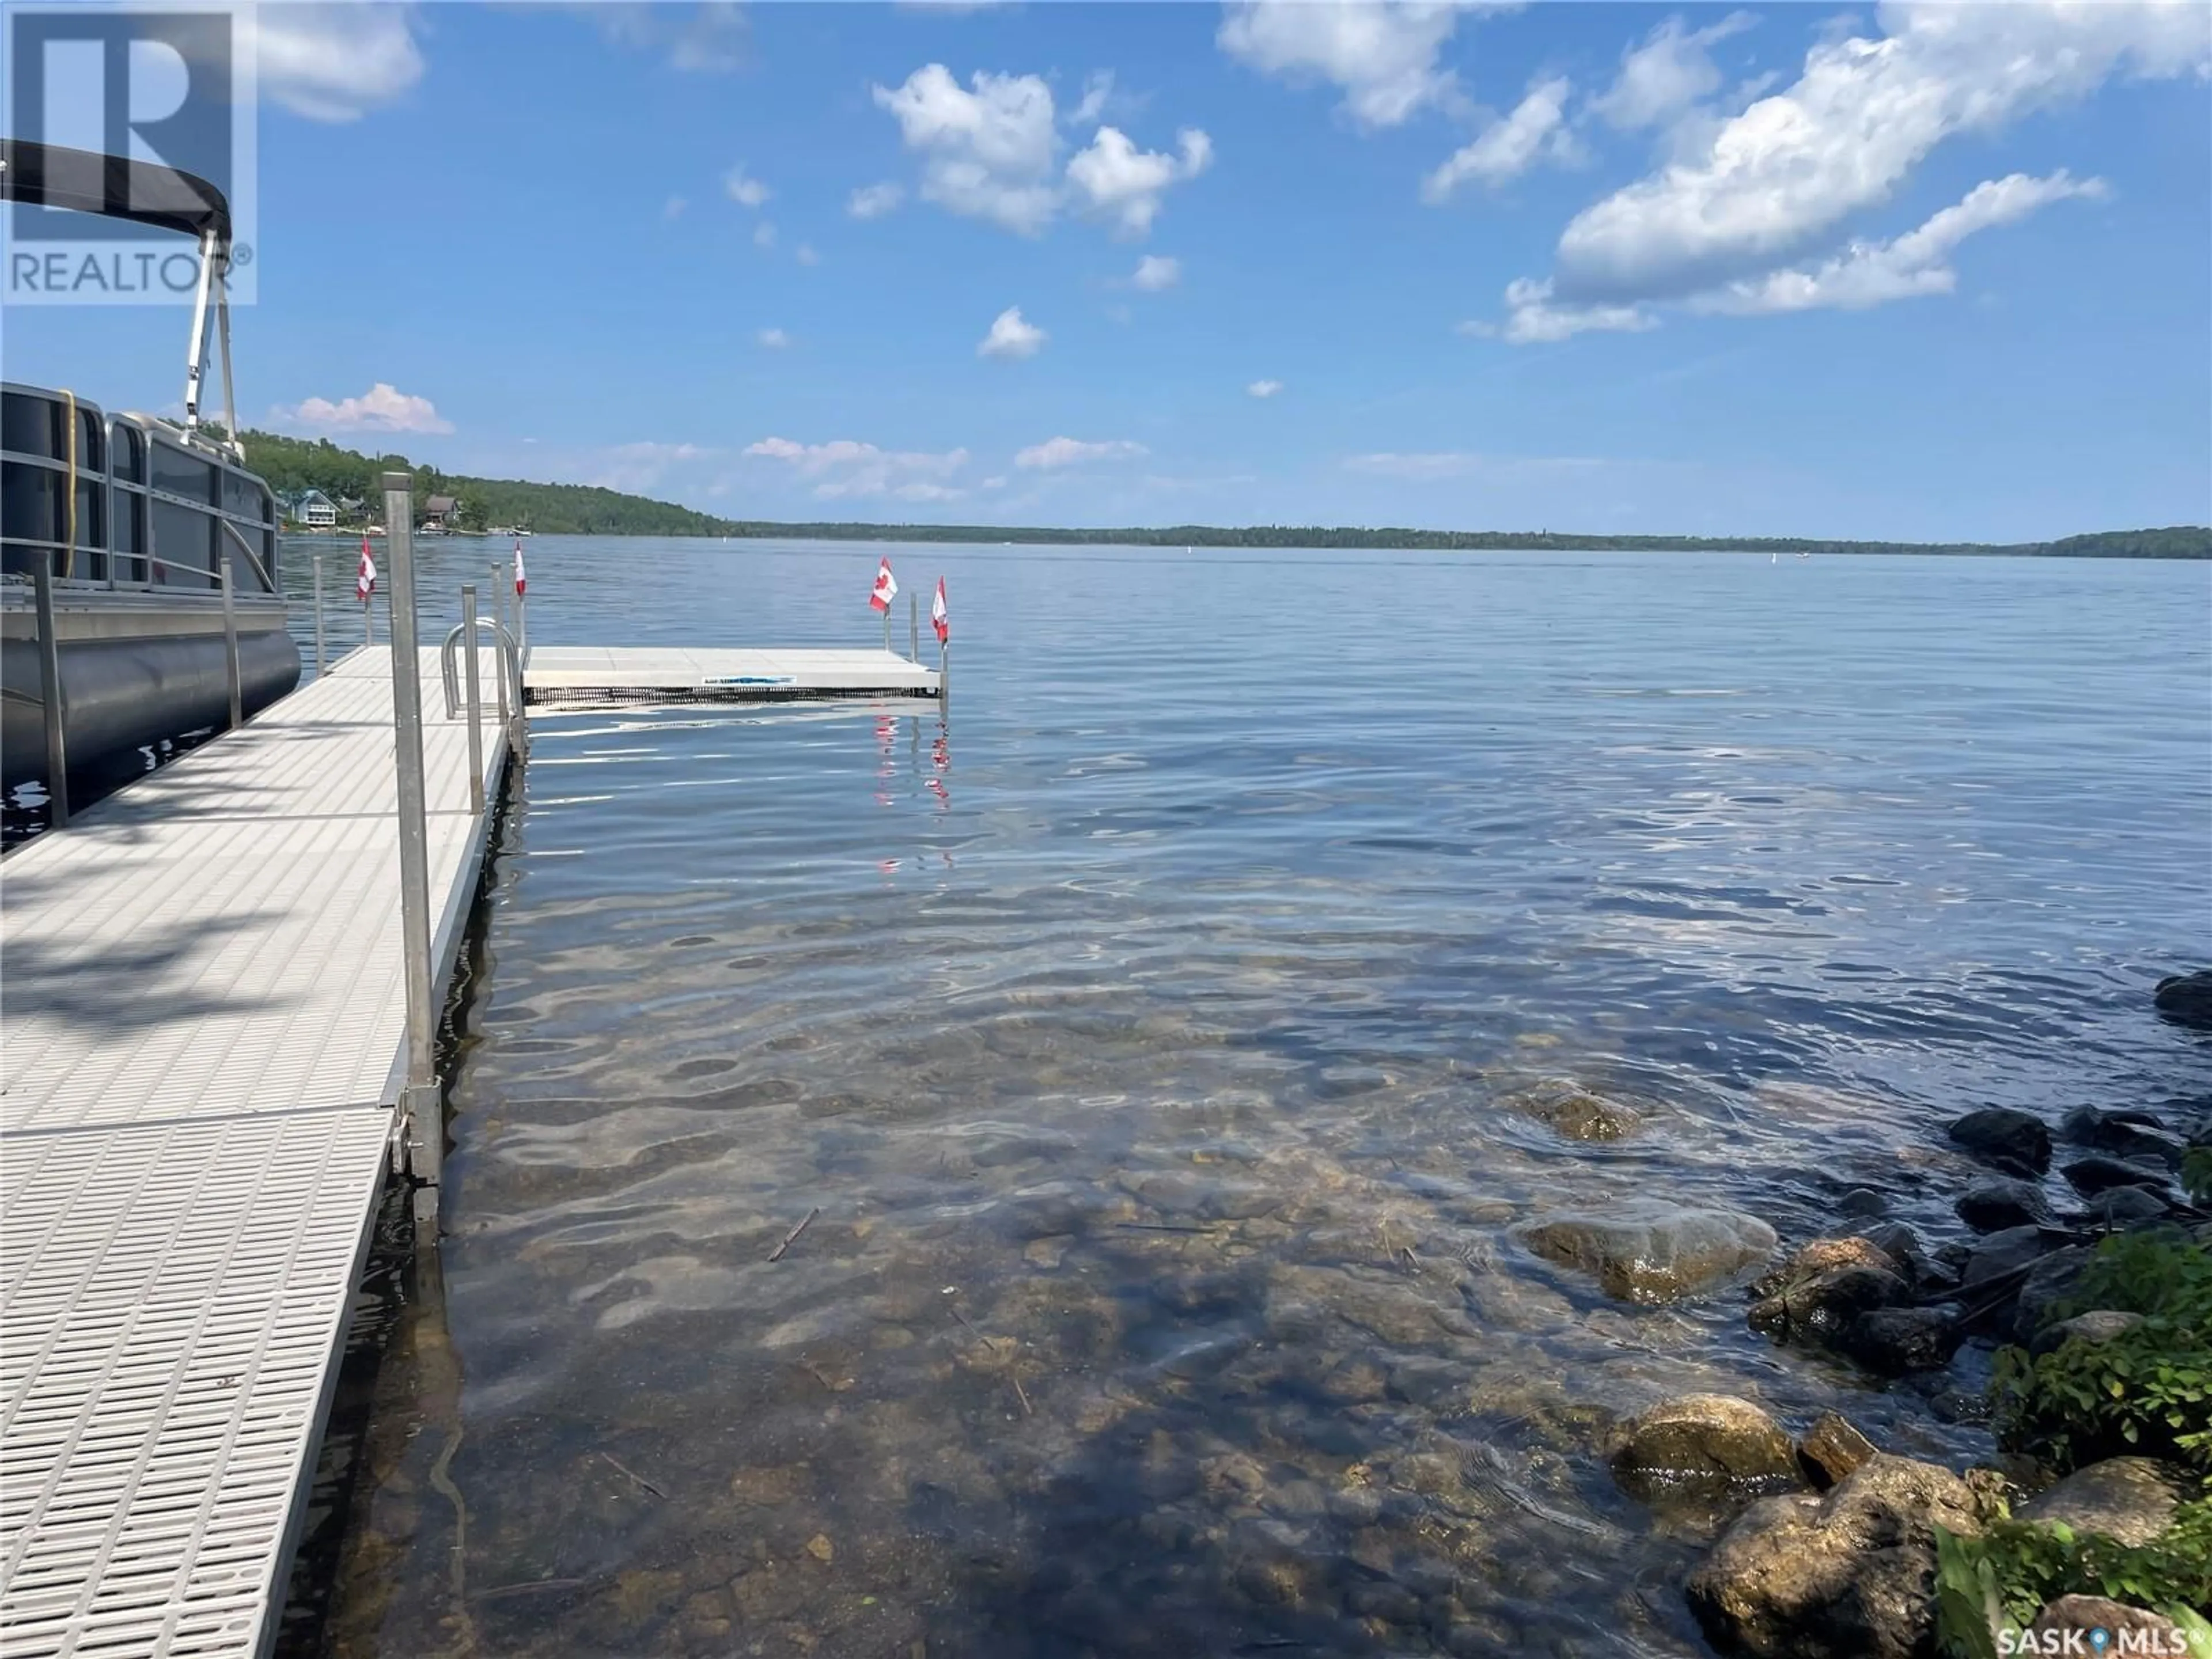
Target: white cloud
[(1861, 117), (713, 35), (743, 189), (844, 467), (1713, 229), (1095, 91), (1532, 317), (1264, 388), (1869, 274), (1511, 145), (1010, 336), (1862, 276), (382, 408), (873, 201), (764, 235), (991, 151), (1383, 53), (774, 338), (1156, 272), (333, 63), (1672, 71), (1054, 453), (805, 255), (1118, 182), (988, 153), (674, 209), (996, 481)]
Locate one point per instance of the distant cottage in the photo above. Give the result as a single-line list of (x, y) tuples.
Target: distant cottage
[(315, 510), (438, 515)]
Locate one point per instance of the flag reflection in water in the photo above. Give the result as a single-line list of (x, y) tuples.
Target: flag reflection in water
[(886, 734), (940, 761)]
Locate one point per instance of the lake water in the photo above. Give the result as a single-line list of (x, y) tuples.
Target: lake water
[(1141, 1035)]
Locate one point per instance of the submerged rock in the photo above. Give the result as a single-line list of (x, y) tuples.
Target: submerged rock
[(1574, 1112), (2125, 1206), (2185, 998), (1831, 1450), (1821, 1309), (2131, 1499), (2050, 1281), (1825, 1255), (1905, 1247), (2097, 1173), (1648, 1251), (1993, 1205), (1848, 1575), (2015, 1142), (2000, 1254), (1701, 1440), (1898, 1341), (2124, 1135)]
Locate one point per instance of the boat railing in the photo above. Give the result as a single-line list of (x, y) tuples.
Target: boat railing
[(23, 577), (95, 494)]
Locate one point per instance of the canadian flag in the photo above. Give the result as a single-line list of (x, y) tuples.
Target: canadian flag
[(937, 619), (518, 568), (886, 587), (364, 584)]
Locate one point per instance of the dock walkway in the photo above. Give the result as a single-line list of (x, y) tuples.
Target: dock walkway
[(202, 1044), (203, 1038)]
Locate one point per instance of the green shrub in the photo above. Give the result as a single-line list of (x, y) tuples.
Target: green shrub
[(2149, 1389), (2197, 1174), (1999, 1581)]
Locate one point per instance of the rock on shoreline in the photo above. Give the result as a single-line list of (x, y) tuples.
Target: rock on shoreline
[(1651, 1252), (1846, 1575)]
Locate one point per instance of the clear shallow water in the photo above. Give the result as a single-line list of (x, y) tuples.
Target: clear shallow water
[(1141, 1034)]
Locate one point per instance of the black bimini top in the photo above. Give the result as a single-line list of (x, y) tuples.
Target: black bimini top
[(111, 186)]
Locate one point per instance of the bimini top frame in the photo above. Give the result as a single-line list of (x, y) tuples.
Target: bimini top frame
[(166, 198)]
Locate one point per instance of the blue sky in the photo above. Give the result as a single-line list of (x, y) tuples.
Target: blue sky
[(1911, 270)]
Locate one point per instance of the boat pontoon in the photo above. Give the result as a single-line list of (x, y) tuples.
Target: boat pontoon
[(146, 541)]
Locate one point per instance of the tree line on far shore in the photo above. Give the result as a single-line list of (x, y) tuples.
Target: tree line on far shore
[(294, 465)]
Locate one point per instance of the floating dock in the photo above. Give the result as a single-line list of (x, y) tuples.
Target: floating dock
[(203, 1047), (585, 677)]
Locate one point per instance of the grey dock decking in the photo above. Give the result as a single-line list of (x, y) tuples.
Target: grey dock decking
[(582, 675), (203, 1033), (203, 1038)]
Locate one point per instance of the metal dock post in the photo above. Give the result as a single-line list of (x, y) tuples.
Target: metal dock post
[(318, 614), (421, 1100), (912, 625), (50, 693)]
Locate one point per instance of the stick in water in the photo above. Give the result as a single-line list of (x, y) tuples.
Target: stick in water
[(634, 1475), (791, 1238)]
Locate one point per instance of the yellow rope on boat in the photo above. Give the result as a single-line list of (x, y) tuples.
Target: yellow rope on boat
[(69, 550)]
